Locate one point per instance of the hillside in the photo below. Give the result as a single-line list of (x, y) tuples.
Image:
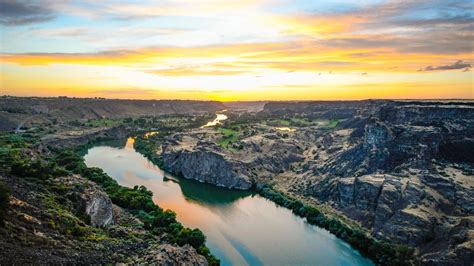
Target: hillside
[(27, 111)]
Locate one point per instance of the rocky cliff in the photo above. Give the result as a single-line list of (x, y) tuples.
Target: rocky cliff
[(402, 170), (84, 137), (205, 165)]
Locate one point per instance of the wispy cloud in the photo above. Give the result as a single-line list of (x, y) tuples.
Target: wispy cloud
[(457, 65), (22, 12), (226, 60)]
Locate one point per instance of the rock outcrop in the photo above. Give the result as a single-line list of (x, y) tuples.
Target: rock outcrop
[(206, 166), (119, 132), (167, 254), (90, 200)]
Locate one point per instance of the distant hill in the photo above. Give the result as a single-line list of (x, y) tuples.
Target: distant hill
[(25, 111)]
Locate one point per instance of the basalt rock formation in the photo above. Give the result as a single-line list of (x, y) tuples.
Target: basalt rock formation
[(403, 170), (206, 165)]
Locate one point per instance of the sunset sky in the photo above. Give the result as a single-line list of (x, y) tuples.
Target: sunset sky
[(237, 50)]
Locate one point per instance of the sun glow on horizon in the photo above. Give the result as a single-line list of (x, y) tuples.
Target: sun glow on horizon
[(256, 50)]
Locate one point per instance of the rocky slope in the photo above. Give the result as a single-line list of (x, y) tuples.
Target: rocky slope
[(43, 222), (59, 211), (403, 170), (73, 139)]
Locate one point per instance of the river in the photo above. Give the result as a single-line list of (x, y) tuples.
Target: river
[(241, 228), (219, 118)]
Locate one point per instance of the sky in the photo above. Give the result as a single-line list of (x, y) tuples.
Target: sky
[(238, 50)]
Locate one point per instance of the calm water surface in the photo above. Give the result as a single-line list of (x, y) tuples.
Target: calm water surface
[(241, 228), (219, 118)]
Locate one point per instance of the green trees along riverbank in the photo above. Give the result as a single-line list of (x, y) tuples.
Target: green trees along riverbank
[(19, 160), (139, 201), (381, 252)]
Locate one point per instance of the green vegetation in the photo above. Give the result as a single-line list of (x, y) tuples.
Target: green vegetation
[(383, 253), (139, 201), (4, 199), (164, 125), (300, 122), (230, 137), (17, 160), (168, 123), (283, 123), (332, 123), (63, 220), (105, 122), (35, 168), (147, 147)]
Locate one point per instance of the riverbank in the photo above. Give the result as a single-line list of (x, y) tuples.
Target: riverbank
[(382, 252)]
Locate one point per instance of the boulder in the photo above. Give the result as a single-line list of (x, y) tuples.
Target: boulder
[(90, 200), (99, 208)]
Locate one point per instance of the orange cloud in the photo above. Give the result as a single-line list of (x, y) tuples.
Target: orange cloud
[(237, 59), (315, 26)]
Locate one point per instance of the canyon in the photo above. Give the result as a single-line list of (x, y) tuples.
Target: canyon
[(399, 171)]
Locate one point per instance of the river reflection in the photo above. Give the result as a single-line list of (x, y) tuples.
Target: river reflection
[(219, 118), (241, 228)]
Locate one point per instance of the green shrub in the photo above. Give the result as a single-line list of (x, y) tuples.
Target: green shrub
[(36, 168), (194, 237)]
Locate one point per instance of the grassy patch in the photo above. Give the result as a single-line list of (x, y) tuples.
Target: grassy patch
[(103, 123), (330, 124), (230, 137), (300, 122)]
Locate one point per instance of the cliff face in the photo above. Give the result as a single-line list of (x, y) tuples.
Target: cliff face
[(403, 170), (118, 132), (206, 166), (413, 210), (405, 174)]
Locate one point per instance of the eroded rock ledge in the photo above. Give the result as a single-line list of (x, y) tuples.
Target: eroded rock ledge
[(207, 166)]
